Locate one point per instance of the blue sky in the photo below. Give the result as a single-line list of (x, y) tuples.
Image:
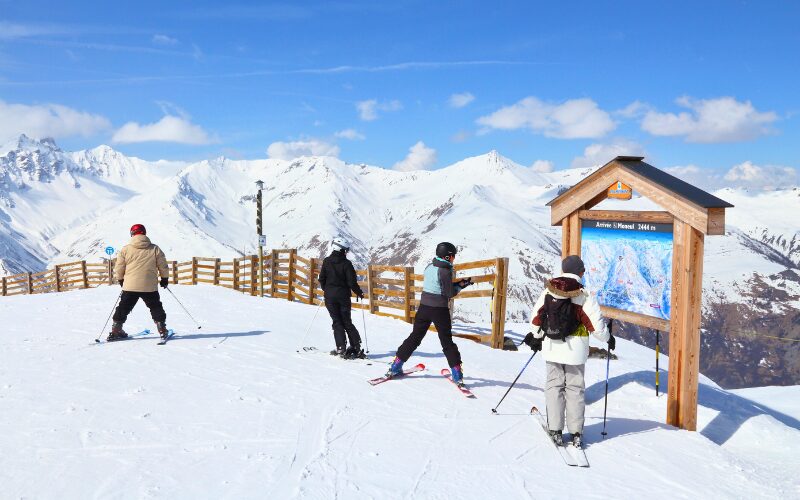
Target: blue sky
[(410, 84)]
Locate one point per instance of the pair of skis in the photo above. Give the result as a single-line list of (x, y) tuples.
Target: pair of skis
[(572, 455), (418, 368), (161, 341)]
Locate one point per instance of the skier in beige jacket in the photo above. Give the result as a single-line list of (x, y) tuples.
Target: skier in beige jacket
[(137, 269)]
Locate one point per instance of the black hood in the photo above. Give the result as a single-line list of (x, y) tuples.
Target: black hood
[(337, 256)]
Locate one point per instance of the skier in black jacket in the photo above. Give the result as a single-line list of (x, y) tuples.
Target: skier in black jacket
[(337, 279)]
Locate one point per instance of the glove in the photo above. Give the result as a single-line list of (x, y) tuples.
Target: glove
[(164, 282), (359, 296), (534, 344), (120, 282), (465, 282), (612, 342)]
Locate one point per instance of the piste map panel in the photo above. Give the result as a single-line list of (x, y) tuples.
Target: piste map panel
[(629, 265)]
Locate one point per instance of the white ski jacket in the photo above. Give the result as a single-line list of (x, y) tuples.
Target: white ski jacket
[(575, 350)]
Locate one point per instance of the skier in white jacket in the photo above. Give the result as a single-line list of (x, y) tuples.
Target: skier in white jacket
[(566, 314)]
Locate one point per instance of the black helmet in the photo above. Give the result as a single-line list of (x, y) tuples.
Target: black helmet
[(445, 249)]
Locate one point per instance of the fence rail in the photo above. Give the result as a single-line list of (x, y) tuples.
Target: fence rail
[(391, 291)]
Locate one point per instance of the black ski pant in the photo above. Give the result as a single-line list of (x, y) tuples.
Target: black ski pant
[(129, 299), (339, 308), (439, 316)]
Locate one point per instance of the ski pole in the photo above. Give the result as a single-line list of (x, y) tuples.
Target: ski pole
[(364, 322), (184, 308), (109, 317), (311, 323), (608, 364), (658, 338), (494, 410)]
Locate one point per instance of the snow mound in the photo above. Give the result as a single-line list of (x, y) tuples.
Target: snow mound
[(234, 411)]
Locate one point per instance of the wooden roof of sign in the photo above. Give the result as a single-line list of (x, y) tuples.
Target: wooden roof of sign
[(700, 209)]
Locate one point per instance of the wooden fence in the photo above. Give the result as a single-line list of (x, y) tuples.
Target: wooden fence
[(391, 291)]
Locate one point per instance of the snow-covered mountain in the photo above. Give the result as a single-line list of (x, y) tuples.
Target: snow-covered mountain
[(57, 206), (45, 192)]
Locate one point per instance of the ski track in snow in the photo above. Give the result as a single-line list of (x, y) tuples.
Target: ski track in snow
[(233, 411)]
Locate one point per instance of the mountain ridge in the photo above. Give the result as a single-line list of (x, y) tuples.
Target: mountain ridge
[(69, 206)]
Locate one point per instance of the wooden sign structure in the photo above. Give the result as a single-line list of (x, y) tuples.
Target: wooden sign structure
[(693, 214)]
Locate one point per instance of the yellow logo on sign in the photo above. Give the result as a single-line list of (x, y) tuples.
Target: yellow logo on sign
[(620, 191)]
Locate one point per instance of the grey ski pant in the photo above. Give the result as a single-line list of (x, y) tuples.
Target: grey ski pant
[(564, 391)]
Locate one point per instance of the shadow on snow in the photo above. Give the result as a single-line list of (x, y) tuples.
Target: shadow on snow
[(191, 336), (733, 410)]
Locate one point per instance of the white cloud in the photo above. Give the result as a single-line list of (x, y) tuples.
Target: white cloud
[(351, 134), (309, 147), (172, 109), (572, 119), (766, 177), (460, 100), (164, 40), (420, 157), (723, 119), (197, 53), (47, 120), (600, 154), (684, 172), (368, 110), (168, 129), (11, 31), (460, 136), (635, 109), (543, 166), (744, 175)]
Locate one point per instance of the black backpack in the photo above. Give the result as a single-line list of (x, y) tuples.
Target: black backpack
[(558, 318)]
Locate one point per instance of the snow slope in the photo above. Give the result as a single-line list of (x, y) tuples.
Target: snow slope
[(233, 411)]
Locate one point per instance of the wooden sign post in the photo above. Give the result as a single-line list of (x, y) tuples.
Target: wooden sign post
[(692, 214)]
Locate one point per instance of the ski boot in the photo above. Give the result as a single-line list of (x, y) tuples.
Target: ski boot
[(339, 351), (457, 374), (557, 438), (354, 352), (117, 333), (396, 369), (162, 329), (577, 440)]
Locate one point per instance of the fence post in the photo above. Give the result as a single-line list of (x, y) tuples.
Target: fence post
[(370, 285), (85, 275), (236, 274), (292, 271), (110, 271), (194, 270), (253, 261), (30, 284), (499, 302), (216, 271), (408, 279), (272, 272), (58, 279), (174, 272), (312, 286), (5, 288)]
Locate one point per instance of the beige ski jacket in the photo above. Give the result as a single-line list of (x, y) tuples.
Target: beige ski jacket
[(139, 263)]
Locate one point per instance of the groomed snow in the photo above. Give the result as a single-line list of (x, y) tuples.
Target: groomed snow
[(233, 411)]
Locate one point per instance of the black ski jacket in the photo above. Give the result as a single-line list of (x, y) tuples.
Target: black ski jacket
[(338, 277)]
